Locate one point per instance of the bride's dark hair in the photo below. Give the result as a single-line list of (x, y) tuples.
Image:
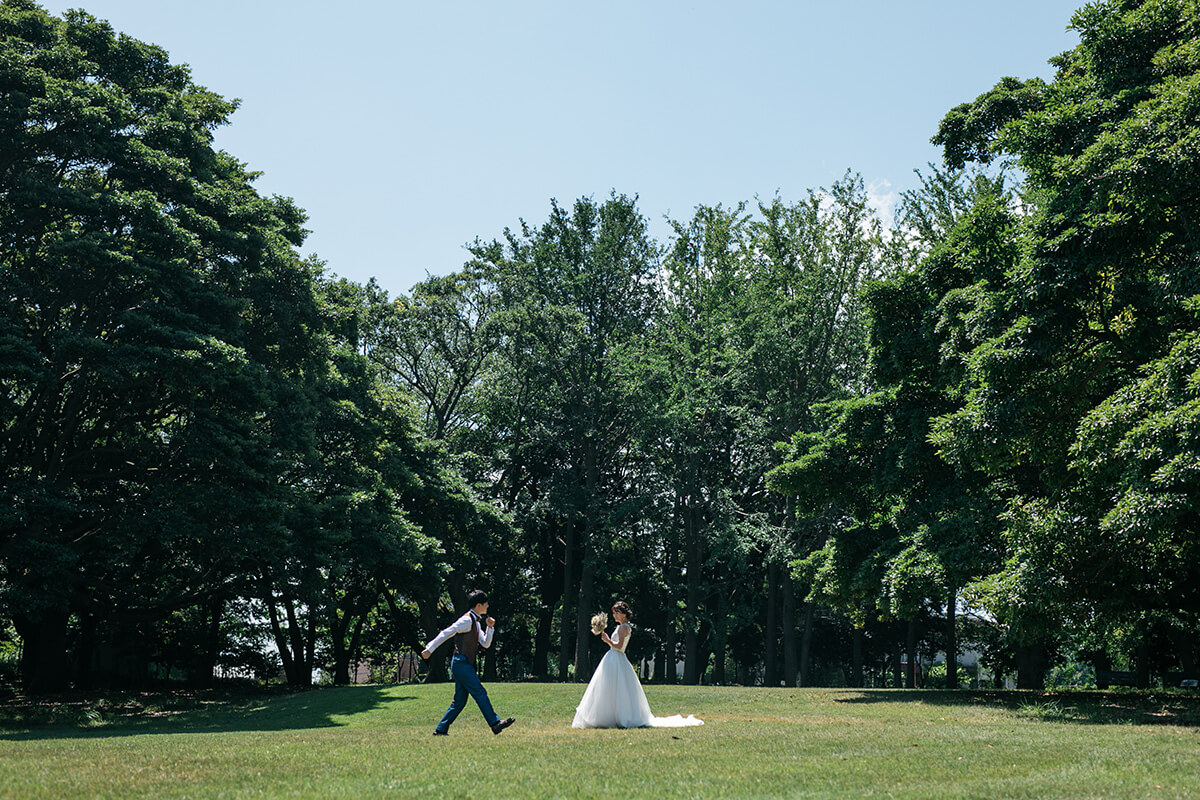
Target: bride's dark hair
[(624, 608)]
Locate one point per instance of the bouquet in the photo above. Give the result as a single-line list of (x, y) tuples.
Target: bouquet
[(599, 622)]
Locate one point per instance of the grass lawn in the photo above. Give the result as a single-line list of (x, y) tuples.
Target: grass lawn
[(375, 741)]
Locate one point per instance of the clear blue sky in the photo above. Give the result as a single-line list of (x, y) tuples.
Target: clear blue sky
[(407, 129)]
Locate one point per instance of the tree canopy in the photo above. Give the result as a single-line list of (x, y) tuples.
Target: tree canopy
[(806, 446)]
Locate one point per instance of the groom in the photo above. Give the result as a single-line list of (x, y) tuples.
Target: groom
[(468, 636)]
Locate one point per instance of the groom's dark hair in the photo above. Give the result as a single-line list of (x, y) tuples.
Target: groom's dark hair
[(476, 597)]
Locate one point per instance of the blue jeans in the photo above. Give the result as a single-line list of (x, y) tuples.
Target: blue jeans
[(466, 682)]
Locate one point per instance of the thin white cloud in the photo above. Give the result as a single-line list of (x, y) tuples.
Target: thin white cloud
[(883, 199)]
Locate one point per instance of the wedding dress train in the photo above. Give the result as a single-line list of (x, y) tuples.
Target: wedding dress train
[(614, 697)]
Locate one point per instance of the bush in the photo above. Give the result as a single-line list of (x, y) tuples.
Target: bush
[(1071, 675), (935, 677)]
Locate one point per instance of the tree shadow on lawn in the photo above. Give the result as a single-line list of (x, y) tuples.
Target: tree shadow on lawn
[(130, 714), (1081, 707)]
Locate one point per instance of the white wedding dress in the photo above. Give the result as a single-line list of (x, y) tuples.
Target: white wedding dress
[(614, 697)]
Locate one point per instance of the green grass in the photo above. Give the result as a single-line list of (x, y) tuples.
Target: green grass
[(369, 741)]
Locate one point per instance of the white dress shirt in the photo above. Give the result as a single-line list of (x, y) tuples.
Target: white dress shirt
[(463, 625)]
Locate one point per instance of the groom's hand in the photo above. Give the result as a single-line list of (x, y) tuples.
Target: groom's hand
[(491, 622), (425, 654)]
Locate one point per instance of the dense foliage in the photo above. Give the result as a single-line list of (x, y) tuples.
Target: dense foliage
[(1055, 339), (806, 448), (188, 430)]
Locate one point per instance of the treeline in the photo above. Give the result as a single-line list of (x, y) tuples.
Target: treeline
[(1029, 448), (622, 402), (195, 456), (808, 449)]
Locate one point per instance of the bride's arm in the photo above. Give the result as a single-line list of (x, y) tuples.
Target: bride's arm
[(622, 635)]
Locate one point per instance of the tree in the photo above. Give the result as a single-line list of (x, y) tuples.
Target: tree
[(1103, 289), (143, 279), (437, 343), (190, 423), (902, 528), (576, 298), (701, 415), (388, 517), (805, 338)]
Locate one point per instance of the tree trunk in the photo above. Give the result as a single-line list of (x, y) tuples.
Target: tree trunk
[(345, 631), (438, 671), (281, 641), (341, 654), (910, 674), (670, 671), (310, 649), (806, 647), (491, 660), (583, 618), (1185, 648), (356, 639), (670, 649), (295, 634), (541, 641), (212, 649), (952, 640), (720, 634), (856, 658), (586, 602), (704, 651), (897, 665), (43, 651), (1031, 666), (770, 662), (551, 590), (296, 645), (566, 624), (695, 563), (1141, 665), (85, 653), (792, 671)]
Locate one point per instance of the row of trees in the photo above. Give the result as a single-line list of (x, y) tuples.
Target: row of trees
[(621, 402), (791, 438), (1030, 444), (189, 433)]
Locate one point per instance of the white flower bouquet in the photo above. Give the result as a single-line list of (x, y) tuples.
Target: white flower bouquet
[(599, 623)]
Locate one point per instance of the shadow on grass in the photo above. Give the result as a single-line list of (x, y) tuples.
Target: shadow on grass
[(1081, 707), (187, 712)]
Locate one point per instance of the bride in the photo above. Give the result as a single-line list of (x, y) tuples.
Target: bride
[(614, 697)]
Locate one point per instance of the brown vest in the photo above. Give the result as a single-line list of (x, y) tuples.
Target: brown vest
[(467, 644)]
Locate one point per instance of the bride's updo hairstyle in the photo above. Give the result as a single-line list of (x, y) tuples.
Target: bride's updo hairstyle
[(624, 608)]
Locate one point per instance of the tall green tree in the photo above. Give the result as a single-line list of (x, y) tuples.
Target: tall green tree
[(577, 296), (805, 338), (437, 343), (907, 531), (398, 521), (1105, 286), (701, 418), (149, 292)]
